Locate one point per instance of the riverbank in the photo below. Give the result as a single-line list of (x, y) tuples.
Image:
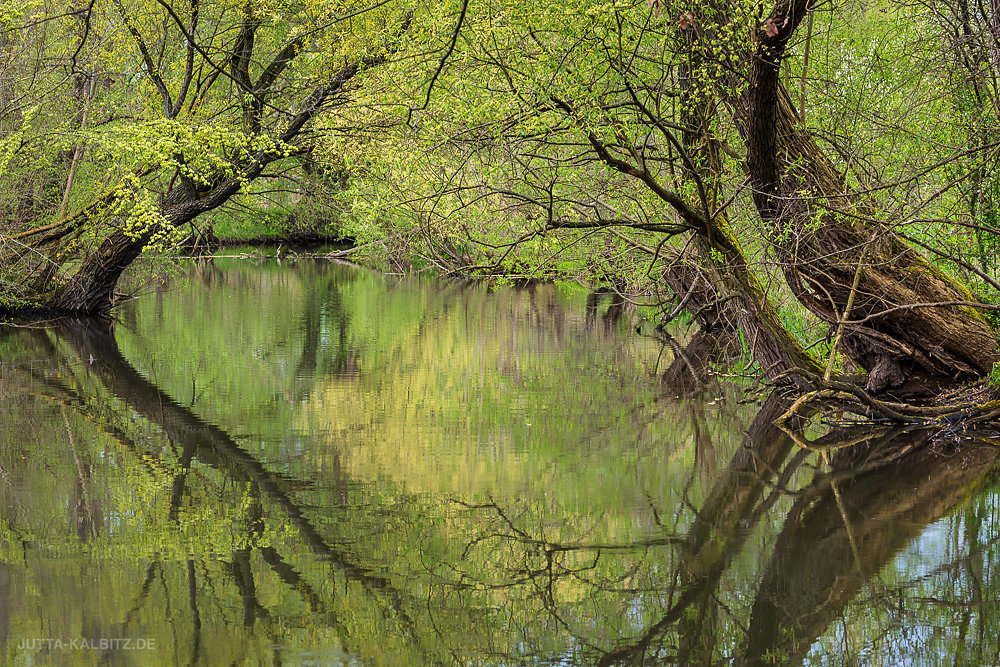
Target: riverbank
[(209, 241)]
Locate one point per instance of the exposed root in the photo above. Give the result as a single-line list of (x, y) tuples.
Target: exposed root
[(845, 404)]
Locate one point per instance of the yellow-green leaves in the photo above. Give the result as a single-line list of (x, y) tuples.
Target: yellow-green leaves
[(14, 142)]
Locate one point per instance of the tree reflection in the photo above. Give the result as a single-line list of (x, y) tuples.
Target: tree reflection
[(212, 445), (873, 497), (756, 564), (93, 341), (846, 526)]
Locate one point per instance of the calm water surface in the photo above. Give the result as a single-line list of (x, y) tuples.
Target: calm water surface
[(311, 464)]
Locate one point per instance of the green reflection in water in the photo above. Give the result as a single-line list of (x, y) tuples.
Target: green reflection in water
[(314, 464)]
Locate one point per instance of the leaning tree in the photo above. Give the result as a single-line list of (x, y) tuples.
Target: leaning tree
[(144, 114)]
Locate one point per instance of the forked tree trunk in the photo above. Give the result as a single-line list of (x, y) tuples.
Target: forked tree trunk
[(830, 243)]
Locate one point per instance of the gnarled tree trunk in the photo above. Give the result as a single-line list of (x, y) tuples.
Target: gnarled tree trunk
[(907, 321), (726, 294), (91, 288)]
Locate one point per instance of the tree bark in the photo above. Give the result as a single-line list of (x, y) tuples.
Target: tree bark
[(725, 292), (91, 289), (727, 295), (830, 243)]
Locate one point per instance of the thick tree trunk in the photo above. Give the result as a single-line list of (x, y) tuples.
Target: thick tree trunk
[(723, 290), (91, 289), (831, 245)]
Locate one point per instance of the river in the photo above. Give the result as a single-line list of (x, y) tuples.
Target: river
[(307, 463)]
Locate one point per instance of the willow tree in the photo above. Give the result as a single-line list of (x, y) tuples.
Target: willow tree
[(900, 316), (150, 113), (635, 143)]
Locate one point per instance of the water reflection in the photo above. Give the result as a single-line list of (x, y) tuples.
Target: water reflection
[(312, 465)]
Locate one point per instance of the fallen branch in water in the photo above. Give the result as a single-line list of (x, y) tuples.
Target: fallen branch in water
[(840, 397)]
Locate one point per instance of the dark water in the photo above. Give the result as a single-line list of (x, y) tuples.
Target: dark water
[(312, 464)]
